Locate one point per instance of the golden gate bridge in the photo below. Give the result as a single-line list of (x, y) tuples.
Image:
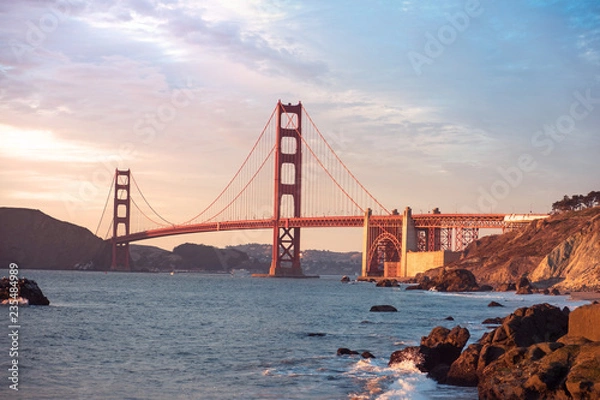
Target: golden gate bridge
[(293, 179)]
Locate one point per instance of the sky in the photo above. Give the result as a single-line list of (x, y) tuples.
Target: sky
[(469, 106)]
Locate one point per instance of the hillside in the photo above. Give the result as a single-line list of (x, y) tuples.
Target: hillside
[(563, 250), (314, 262), (33, 239)]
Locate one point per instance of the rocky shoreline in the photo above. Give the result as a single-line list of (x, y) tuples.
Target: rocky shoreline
[(537, 352)]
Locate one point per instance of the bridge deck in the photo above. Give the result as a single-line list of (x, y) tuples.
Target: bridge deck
[(482, 221)]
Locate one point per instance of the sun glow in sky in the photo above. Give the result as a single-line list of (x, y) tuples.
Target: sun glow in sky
[(429, 103)]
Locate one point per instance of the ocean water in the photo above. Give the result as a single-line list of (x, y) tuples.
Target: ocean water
[(195, 336)]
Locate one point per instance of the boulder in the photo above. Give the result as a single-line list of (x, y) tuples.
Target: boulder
[(436, 353), (367, 354), (506, 287), (524, 286), (493, 321), (408, 354), (527, 326), (28, 290), (345, 279), (544, 371), (383, 308), (344, 351), (495, 304), (463, 371), (387, 283), (450, 280), (584, 321)]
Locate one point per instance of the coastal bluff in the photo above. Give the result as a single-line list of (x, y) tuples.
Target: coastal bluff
[(537, 352), (562, 251)]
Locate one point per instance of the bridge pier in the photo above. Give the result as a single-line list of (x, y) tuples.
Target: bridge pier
[(121, 220), (285, 259)]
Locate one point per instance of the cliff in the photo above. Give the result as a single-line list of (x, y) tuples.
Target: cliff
[(33, 239), (562, 250)]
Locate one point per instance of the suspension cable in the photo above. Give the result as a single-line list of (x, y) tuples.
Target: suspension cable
[(237, 173), (245, 187), (147, 203), (145, 215), (342, 163), (112, 184)]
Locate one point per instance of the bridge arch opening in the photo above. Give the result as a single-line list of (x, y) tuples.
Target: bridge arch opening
[(385, 249)]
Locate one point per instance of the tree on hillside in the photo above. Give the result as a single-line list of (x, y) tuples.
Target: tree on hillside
[(577, 202)]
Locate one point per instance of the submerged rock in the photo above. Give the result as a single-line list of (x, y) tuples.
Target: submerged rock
[(493, 321), (344, 351), (383, 308), (367, 354)]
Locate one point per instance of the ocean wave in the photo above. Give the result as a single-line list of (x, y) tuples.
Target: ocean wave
[(382, 382)]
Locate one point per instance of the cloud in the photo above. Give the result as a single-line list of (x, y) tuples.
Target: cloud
[(88, 86)]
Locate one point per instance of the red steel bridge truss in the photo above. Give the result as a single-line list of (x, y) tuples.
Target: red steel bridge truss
[(292, 179)]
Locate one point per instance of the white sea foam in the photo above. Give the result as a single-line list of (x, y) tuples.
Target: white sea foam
[(402, 381)]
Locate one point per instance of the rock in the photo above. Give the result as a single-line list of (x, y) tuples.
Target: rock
[(584, 321), (544, 371), (525, 327), (495, 304), (383, 308), (449, 280), (367, 354), (506, 287), (582, 380), (387, 283), (345, 279), (524, 286), (408, 354), (436, 353), (449, 318), (413, 287), (343, 351), (463, 371), (554, 292), (316, 334), (486, 288), (28, 289), (493, 321)]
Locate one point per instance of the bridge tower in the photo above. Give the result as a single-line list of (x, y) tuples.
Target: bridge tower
[(287, 190), (121, 220)]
